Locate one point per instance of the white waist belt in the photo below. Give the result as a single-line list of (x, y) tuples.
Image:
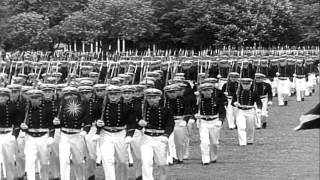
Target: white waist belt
[(70, 130), (39, 130), (154, 131), (114, 128), (5, 129)]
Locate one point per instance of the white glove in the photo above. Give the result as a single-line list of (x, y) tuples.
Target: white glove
[(269, 103), (198, 123), (50, 140), (83, 133), (23, 126), (11, 138), (56, 121), (197, 116), (196, 93), (237, 104), (258, 111), (128, 140), (95, 137), (219, 76), (142, 123), (191, 121), (100, 123), (226, 93), (164, 139)]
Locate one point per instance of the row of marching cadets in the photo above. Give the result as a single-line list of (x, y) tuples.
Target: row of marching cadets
[(83, 113)]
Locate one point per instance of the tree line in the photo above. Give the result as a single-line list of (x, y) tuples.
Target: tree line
[(169, 24)]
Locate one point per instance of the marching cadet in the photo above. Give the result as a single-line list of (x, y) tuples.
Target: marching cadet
[(159, 124), (210, 116), (134, 148), (9, 130), (87, 92), (300, 80), (20, 104), (74, 120), (177, 139), (283, 85), (37, 125), (244, 99), (230, 89), (100, 92), (118, 125), (264, 91), (51, 101)]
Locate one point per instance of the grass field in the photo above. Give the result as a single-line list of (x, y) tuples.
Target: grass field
[(279, 153)]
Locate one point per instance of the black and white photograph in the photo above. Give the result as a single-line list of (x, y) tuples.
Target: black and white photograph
[(159, 90)]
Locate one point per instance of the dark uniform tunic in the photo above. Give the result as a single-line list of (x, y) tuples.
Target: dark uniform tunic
[(263, 88), (247, 98), (39, 117), (213, 106), (119, 115), (75, 115), (159, 118), (9, 118)]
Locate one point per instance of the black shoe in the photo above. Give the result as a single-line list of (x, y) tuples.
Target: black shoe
[(310, 94), (285, 103), (302, 99), (20, 178), (98, 164), (139, 178), (205, 164), (264, 125), (313, 91), (130, 165), (215, 161), (175, 161), (249, 143), (179, 162), (91, 177)]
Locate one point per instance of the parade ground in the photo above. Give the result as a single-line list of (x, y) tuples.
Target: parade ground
[(278, 153)]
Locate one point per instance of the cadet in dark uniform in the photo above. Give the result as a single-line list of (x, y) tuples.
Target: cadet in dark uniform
[(38, 127), (9, 121), (244, 99), (212, 114), (118, 125), (74, 120), (158, 123), (264, 91), (230, 89)]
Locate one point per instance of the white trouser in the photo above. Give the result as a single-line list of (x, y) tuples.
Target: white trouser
[(171, 149), (152, 149), (180, 137), (231, 114), (7, 148), (71, 145), (209, 139), (262, 118), (92, 154), (114, 154), (283, 91), (310, 84), (54, 156), (37, 149), (20, 156), (135, 151), (300, 84), (246, 125), (274, 85)]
